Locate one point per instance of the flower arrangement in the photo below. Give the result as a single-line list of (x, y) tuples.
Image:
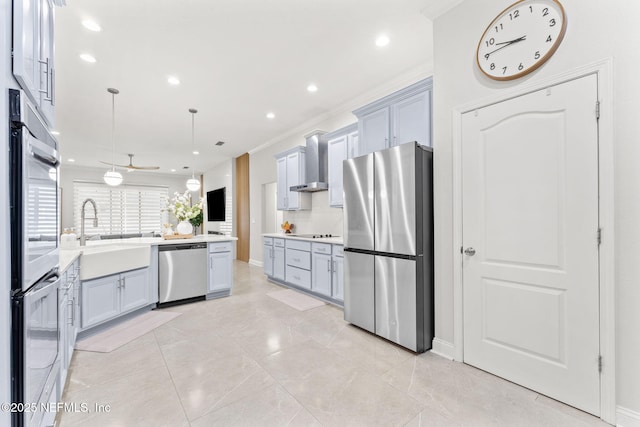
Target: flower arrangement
[(287, 227), (180, 206)]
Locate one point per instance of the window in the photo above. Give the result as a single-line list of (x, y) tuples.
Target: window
[(126, 209)]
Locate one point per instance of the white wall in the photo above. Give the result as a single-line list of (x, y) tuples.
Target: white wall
[(68, 174), (5, 256), (222, 175), (596, 31), (263, 164)]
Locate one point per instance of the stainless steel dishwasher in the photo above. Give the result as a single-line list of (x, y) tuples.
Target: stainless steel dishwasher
[(182, 271)]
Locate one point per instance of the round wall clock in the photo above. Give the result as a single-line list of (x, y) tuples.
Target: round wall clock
[(521, 38)]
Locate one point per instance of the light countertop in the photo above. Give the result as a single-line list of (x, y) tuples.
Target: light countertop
[(333, 240), (68, 256)]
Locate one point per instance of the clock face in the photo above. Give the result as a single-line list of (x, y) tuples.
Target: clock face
[(521, 39)]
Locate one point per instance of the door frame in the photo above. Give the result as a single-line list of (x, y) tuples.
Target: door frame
[(604, 72)]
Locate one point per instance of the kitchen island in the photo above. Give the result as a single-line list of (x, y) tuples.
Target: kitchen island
[(119, 278)]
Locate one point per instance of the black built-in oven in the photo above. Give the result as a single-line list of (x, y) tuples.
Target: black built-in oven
[(34, 194), (34, 213)]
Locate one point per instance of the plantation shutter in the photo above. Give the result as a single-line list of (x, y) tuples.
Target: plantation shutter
[(126, 209)]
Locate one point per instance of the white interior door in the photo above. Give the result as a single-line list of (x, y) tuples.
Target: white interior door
[(530, 213)]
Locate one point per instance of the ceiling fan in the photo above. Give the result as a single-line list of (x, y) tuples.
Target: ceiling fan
[(131, 167)]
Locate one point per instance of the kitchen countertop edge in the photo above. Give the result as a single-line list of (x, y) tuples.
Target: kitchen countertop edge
[(332, 240), (67, 256)]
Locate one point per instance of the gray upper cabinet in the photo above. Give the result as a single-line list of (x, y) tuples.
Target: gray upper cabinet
[(403, 116), (342, 144), (290, 172), (33, 53)]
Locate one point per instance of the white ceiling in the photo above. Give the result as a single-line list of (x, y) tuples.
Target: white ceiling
[(236, 59)]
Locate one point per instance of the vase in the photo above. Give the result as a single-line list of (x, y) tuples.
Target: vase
[(184, 227)]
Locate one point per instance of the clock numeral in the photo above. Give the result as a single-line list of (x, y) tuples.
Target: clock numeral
[(492, 66), (537, 55), (520, 67), (549, 39), (514, 15), (490, 42), (499, 27), (487, 56), (531, 9), (504, 70), (552, 22), (545, 11)]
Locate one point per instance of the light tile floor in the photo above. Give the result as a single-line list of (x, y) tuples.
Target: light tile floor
[(249, 360)]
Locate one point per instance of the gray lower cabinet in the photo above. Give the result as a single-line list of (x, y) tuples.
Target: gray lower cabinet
[(321, 269), (337, 279), (68, 319), (220, 267), (278, 259), (108, 297), (273, 257), (267, 255), (298, 260), (317, 267)]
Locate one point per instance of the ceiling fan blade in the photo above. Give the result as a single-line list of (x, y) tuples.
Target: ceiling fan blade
[(149, 168), (116, 165)]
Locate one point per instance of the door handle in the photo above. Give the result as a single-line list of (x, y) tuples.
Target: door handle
[(470, 251)]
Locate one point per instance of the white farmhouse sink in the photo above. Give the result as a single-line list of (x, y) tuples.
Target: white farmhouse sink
[(105, 260)]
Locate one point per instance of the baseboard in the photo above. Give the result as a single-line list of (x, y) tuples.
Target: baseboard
[(442, 348), (256, 262), (627, 418)]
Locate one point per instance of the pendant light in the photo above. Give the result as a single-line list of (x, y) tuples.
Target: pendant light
[(193, 184), (113, 177)]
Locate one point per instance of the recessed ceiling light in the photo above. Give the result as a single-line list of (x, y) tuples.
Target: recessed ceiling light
[(91, 25), (172, 80), (196, 152), (382, 40), (71, 160), (271, 116), (88, 58), (55, 132), (312, 88), (173, 170)]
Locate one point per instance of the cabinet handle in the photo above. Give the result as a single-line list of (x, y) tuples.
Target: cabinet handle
[(71, 320), (46, 92), (333, 265), (329, 266), (394, 140), (53, 87)]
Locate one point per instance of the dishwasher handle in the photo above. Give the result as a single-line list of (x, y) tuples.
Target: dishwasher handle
[(183, 246)]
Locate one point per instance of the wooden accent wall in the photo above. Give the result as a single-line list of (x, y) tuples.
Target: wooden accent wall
[(242, 207)]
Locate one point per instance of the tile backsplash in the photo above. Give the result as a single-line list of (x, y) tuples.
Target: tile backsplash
[(319, 219)]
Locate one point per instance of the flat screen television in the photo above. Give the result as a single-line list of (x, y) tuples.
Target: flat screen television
[(216, 202)]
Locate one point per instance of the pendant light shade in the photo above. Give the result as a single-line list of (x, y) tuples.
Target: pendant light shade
[(113, 177), (193, 184)]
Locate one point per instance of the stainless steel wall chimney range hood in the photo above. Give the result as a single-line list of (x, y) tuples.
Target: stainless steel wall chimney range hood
[(315, 164)]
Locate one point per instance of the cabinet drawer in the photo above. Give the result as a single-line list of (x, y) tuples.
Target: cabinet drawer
[(300, 259), (278, 243), (299, 244), (338, 250), (298, 277), (220, 247), (321, 248), (267, 241)]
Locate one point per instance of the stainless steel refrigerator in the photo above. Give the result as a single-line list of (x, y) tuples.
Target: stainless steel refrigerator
[(388, 244)]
